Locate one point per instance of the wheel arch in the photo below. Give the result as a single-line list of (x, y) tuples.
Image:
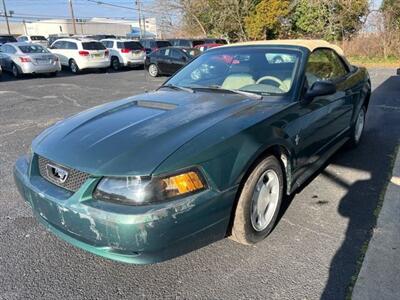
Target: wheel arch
[(284, 156)]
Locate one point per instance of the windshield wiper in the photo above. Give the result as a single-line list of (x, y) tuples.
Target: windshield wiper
[(176, 87), (239, 92)]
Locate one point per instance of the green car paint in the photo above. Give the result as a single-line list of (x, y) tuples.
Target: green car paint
[(159, 133)]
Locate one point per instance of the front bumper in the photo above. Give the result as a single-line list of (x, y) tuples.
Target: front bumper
[(131, 234)]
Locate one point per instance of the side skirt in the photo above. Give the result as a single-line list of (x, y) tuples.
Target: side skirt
[(317, 165)]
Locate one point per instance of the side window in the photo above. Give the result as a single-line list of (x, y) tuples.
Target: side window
[(152, 44), (339, 69), (59, 45), (120, 45), (162, 52), (176, 54), (184, 43), (324, 64), (71, 46)]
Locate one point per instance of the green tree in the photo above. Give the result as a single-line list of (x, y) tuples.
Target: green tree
[(329, 19), (391, 12), (265, 21)]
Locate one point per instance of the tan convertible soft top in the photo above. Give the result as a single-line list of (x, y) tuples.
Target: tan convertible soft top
[(309, 44)]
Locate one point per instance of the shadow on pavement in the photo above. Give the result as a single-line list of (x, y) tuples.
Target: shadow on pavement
[(374, 156)]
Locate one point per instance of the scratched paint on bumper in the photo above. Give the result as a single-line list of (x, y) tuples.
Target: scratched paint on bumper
[(129, 234)]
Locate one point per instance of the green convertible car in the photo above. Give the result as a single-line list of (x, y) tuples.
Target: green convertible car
[(209, 154)]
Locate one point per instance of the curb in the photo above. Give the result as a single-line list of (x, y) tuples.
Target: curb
[(379, 277)]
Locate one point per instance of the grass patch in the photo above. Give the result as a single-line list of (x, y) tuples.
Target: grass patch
[(390, 62)]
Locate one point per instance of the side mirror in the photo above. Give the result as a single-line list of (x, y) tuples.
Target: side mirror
[(319, 88)]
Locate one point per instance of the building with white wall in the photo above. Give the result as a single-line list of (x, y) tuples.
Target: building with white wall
[(93, 26)]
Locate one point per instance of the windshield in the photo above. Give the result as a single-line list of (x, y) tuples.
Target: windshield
[(263, 70), (93, 46), (162, 44), (33, 49), (130, 45)]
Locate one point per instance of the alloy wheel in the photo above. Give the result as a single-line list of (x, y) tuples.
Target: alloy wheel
[(153, 70), (265, 200), (359, 125)]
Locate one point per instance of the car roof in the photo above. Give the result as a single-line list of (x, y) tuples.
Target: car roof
[(76, 39), (17, 44), (309, 44), (119, 40)]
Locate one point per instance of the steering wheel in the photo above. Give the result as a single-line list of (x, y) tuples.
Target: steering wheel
[(271, 78)]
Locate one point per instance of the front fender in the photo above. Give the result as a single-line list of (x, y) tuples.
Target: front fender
[(224, 157)]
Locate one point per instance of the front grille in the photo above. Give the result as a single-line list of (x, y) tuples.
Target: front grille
[(74, 180)]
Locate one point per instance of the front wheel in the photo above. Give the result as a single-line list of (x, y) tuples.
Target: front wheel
[(153, 70), (259, 202), (358, 128)]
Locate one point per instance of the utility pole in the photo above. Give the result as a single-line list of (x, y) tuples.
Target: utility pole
[(6, 16), (71, 9), (139, 7)]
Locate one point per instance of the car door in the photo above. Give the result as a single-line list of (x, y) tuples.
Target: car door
[(7, 57), (57, 48), (178, 60), (321, 123), (163, 60)]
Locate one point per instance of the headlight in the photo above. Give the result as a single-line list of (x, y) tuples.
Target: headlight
[(137, 190)]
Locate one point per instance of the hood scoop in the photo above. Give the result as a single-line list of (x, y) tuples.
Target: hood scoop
[(155, 105)]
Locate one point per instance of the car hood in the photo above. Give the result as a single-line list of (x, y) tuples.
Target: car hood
[(133, 136)]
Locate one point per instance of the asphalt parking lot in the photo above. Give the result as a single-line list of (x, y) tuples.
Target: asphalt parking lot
[(311, 254)]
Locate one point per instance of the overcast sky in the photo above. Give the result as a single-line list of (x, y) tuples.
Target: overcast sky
[(83, 8)]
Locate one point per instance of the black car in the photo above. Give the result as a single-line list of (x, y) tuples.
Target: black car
[(6, 38), (167, 61), (215, 41), (151, 45), (186, 43), (99, 37)]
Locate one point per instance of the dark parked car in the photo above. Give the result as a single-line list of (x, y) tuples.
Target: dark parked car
[(151, 45), (167, 61), (6, 38), (215, 41), (186, 43), (205, 47), (211, 153), (54, 37), (99, 37)]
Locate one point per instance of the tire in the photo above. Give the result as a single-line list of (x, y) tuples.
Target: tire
[(15, 71), (153, 70), (73, 66), (261, 195), (115, 64), (358, 128)]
